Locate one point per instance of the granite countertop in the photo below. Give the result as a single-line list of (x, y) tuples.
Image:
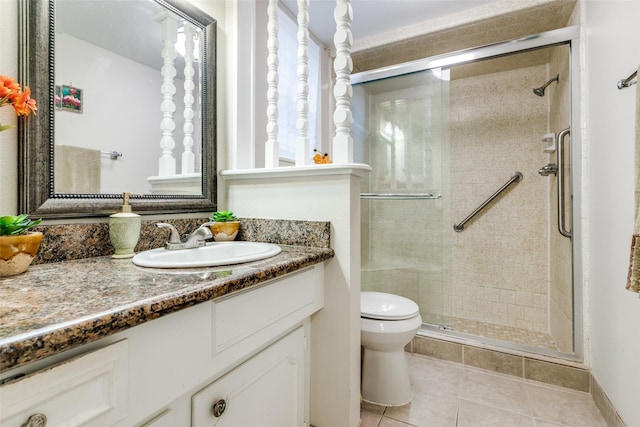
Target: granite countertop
[(57, 306)]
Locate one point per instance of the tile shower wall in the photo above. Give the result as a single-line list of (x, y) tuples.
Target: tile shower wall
[(407, 257), (499, 262)]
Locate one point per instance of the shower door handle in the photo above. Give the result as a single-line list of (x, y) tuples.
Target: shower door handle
[(561, 196)]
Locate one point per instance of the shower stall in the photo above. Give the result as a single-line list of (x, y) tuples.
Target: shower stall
[(470, 204)]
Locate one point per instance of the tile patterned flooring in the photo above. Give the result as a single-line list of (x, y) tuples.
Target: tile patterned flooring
[(500, 332), (448, 394)]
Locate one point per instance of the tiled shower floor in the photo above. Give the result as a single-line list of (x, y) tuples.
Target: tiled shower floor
[(448, 394), (504, 333), (499, 332)]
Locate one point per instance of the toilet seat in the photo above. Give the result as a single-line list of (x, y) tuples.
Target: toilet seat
[(383, 306)]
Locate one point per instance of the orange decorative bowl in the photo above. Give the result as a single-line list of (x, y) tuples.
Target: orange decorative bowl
[(17, 252), (225, 231)]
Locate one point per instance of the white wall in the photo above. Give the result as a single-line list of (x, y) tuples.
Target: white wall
[(320, 193), (8, 138), (612, 32), (118, 114)]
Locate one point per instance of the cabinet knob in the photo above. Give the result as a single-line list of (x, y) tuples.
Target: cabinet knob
[(36, 420), (219, 407)]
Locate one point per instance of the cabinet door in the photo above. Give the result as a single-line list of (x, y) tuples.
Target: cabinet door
[(268, 390)]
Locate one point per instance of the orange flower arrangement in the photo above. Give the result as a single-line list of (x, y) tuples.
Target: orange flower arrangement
[(20, 100)]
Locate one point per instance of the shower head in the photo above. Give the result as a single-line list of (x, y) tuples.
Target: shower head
[(540, 90)]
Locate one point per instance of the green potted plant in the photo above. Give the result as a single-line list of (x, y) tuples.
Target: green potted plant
[(18, 245), (226, 226)]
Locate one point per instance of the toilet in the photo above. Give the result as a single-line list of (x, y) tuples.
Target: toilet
[(388, 323)]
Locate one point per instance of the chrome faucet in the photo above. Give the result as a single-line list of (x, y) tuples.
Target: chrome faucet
[(193, 240)]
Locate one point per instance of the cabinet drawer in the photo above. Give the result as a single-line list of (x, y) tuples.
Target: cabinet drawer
[(296, 297), (90, 390)]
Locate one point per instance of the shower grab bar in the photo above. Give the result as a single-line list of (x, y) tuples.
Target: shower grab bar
[(627, 82), (562, 228), (400, 196), (517, 177)]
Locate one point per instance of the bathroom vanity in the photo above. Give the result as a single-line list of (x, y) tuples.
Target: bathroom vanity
[(102, 342)]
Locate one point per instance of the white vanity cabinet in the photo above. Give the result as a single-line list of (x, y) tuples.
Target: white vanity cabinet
[(249, 349)]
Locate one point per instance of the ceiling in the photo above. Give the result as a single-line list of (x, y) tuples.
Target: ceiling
[(126, 27), (375, 17), (101, 22)]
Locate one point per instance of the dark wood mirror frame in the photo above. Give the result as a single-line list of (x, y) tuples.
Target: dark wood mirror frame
[(36, 135)]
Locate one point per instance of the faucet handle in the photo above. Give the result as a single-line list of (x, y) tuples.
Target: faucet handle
[(175, 236), (204, 230)]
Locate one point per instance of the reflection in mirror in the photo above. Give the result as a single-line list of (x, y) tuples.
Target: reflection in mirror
[(98, 70), (128, 96)]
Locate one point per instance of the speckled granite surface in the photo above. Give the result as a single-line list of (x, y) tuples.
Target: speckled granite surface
[(74, 293), (77, 241), (57, 306)]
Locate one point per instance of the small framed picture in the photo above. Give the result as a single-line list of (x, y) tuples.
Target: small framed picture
[(71, 99), (57, 97)]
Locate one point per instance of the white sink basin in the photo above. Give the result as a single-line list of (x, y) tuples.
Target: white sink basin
[(211, 255)]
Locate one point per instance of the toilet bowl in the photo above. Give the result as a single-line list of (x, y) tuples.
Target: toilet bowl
[(388, 322)]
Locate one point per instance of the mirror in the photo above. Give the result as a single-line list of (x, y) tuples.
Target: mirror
[(122, 106)]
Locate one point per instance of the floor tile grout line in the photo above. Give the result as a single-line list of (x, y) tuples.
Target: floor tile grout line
[(458, 407), (460, 388), (528, 399), (501, 408)]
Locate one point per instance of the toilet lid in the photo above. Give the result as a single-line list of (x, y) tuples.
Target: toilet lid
[(383, 306)]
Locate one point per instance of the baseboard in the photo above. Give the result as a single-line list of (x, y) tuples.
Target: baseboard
[(604, 405)]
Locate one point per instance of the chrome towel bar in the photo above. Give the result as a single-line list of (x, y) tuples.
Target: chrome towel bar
[(112, 154), (400, 196), (517, 177), (628, 81)]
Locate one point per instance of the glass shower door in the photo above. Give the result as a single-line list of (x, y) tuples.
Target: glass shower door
[(440, 142), (401, 134)]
